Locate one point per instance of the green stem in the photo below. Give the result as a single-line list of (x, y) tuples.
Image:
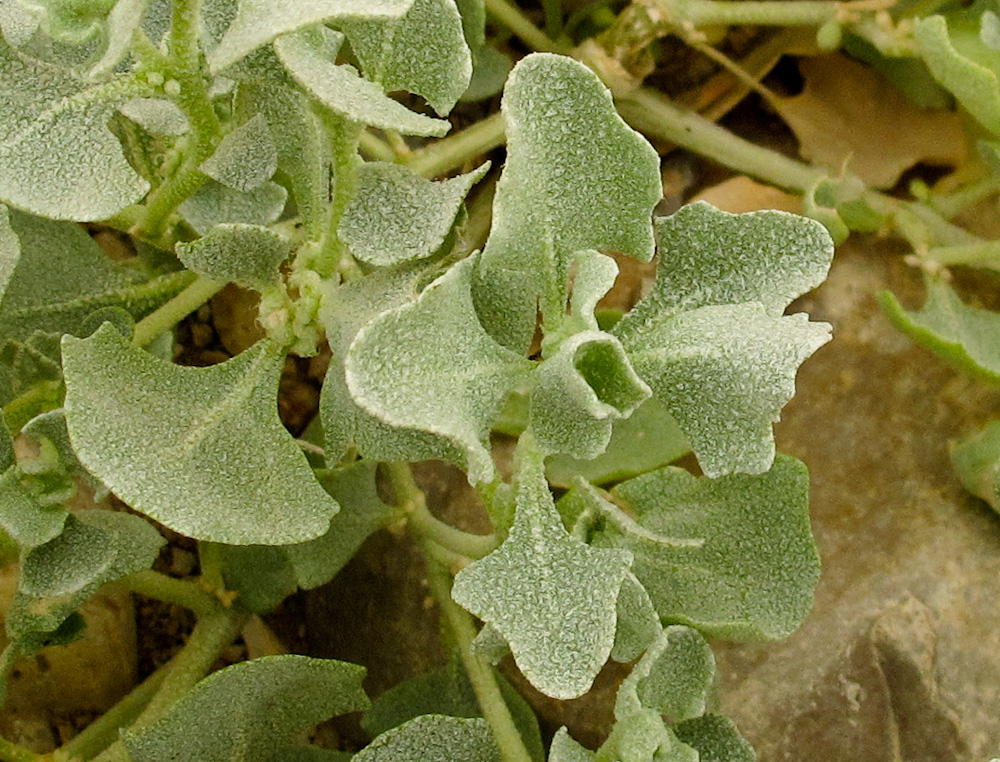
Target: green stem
[(484, 683), (952, 204), (510, 16), (210, 559), (699, 13), (651, 113), (445, 155), (175, 310), (183, 42), (39, 399), (985, 254), (190, 595), (375, 148), (104, 731), (12, 752), (344, 140)]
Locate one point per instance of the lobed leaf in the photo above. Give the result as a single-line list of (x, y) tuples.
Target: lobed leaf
[(309, 57), (433, 738), (716, 739), (398, 216), (967, 337), (429, 365), (216, 204), (249, 255), (552, 597), (565, 749), (258, 22), (23, 517), (640, 737), (753, 574), (199, 449), (422, 51), (254, 709), (576, 177), (245, 158)]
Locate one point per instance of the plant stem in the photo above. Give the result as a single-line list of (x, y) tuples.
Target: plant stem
[(344, 138), (375, 147), (210, 559), (651, 113), (445, 155), (103, 731), (175, 310), (510, 16), (783, 13), (481, 675), (184, 593), (12, 752)]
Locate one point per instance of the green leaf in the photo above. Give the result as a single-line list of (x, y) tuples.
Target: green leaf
[(215, 204), (422, 52), (23, 517), (124, 19), (159, 117), (309, 56), (490, 69), (260, 575), (565, 749), (716, 739), (724, 373), (199, 449), (977, 462), (638, 622), (249, 255), (6, 446), (580, 391), (258, 22), (640, 737), (433, 738), (959, 60), (576, 177), (552, 597), (966, 337), (94, 548), (245, 158), (429, 365), (752, 575), (647, 439), (674, 677), (398, 216), (57, 156), (251, 710)]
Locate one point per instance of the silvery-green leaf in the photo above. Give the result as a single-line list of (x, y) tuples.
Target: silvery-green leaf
[(361, 512), (754, 573), (259, 575), (724, 373), (640, 737), (303, 153), (249, 255), (215, 204), (95, 547), (489, 645), (674, 677), (57, 156), (216, 18), (157, 116), (397, 216), (50, 429), (490, 69), (593, 277), (565, 749), (551, 596), (422, 52), (258, 22), (199, 449), (24, 364), (716, 739), (309, 56), (433, 738), (251, 710), (977, 463), (28, 522), (965, 336), (638, 622), (576, 177), (647, 439), (473, 14), (709, 257), (959, 60), (580, 391), (17, 22), (123, 21), (430, 366), (245, 158)]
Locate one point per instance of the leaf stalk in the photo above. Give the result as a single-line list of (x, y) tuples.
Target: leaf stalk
[(172, 312)]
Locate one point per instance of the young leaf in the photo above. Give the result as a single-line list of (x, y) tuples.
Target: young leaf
[(551, 596), (576, 177), (977, 463), (245, 158), (199, 449), (254, 709), (422, 52), (640, 737), (398, 216), (638, 622), (565, 749), (258, 22), (23, 517), (57, 156), (674, 677), (967, 337), (433, 738), (309, 57), (716, 739), (754, 574), (430, 366), (579, 392), (124, 19), (158, 116), (215, 204), (249, 255)]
